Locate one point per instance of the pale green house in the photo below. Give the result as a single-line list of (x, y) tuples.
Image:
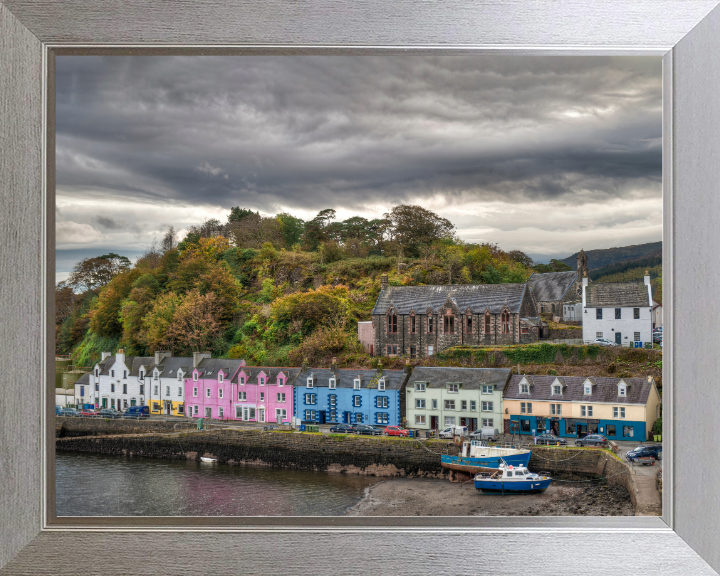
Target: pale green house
[(439, 397)]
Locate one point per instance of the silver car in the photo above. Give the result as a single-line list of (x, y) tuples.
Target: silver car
[(604, 342)]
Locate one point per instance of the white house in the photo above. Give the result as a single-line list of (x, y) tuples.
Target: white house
[(115, 380), (657, 315), (165, 379), (621, 312)]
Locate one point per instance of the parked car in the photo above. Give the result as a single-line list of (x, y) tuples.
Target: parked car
[(109, 413), (396, 431), (548, 438), (269, 427), (70, 412), (88, 413), (58, 410), (657, 337), (592, 440), (604, 342), (137, 412), (367, 429), (342, 428), (485, 433), (645, 451)]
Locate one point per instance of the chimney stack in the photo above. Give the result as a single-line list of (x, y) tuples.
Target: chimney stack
[(160, 355), (383, 281), (333, 365), (198, 357), (647, 278), (305, 364), (120, 355), (105, 355)]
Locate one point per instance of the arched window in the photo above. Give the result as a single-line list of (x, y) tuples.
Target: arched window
[(392, 323), (506, 322)]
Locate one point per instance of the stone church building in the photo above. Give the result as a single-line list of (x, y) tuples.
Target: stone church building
[(557, 292), (419, 321)]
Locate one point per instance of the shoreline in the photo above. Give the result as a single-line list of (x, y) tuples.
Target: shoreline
[(431, 497)]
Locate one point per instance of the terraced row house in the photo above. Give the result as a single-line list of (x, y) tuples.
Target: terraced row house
[(419, 321)]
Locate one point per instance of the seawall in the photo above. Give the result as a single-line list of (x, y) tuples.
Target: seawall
[(69, 427)]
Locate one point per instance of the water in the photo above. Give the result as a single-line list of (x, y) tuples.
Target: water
[(96, 485)]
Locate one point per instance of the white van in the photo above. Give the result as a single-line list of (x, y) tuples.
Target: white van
[(486, 433), (452, 431)]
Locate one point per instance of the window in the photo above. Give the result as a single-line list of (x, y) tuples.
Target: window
[(463, 405), (524, 388), (357, 401), (419, 386), (155, 406), (97, 388), (431, 350), (125, 403), (487, 323), (156, 375), (179, 375), (196, 410), (142, 388), (281, 382), (262, 397), (194, 392), (419, 418), (242, 396), (453, 388), (392, 324), (281, 397), (220, 377), (412, 324), (618, 412), (220, 392), (413, 352), (112, 387), (82, 390), (611, 430), (167, 390), (449, 420), (332, 399), (636, 313), (220, 412), (262, 381), (570, 427), (588, 389), (97, 373), (598, 334), (242, 380), (207, 392), (179, 391), (430, 325), (524, 330), (586, 411), (473, 405), (358, 417), (309, 414), (449, 404), (381, 384), (141, 377), (156, 393), (195, 380), (637, 337), (434, 404), (622, 390), (487, 422), (356, 384), (556, 409), (598, 313), (618, 313), (449, 324), (524, 425), (557, 390), (392, 349), (582, 411), (381, 417), (381, 401), (112, 373), (420, 403), (525, 407), (333, 416), (506, 322), (487, 406), (589, 411), (628, 432), (331, 384), (468, 324), (124, 388), (310, 398), (487, 389), (310, 382)]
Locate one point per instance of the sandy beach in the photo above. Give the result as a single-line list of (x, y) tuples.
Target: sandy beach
[(429, 497)]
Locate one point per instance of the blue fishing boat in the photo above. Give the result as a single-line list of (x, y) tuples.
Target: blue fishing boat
[(477, 456), (514, 479)]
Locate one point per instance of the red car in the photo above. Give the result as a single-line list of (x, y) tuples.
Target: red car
[(88, 412), (396, 431)]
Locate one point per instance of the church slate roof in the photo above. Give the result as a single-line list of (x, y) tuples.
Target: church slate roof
[(477, 297), (603, 390), (551, 286), (616, 295)]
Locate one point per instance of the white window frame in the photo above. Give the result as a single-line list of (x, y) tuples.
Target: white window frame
[(207, 392), (220, 392), (589, 411), (419, 386), (587, 390), (557, 390), (622, 390), (434, 404), (381, 384), (195, 392), (220, 377), (619, 412), (487, 407), (167, 390), (420, 419), (420, 403), (220, 411), (195, 378), (453, 388), (262, 396), (488, 422), (281, 397), (356, 384), (242, 380), (487, 390), (242, 396), (332, 384), (636, 337), (449, 405), (449, 420), (310, 382), (473, 405), (180, 391), (524, 388), (262, 380)]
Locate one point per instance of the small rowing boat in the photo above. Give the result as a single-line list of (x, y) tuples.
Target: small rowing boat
[(206, 459), (514, 479)]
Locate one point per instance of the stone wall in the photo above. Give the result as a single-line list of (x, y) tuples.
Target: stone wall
[(72, 427)]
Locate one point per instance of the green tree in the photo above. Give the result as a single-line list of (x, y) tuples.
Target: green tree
[(413, 226), (291, 228), (237, 213)]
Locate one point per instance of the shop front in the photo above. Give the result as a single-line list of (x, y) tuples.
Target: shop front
[(579, 427)]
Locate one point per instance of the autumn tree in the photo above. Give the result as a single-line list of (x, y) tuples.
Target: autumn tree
[(195, 325), (254, 230), (413, 226), (156, 322)]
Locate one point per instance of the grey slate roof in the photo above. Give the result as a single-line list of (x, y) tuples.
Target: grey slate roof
[(616, 294), (551, 286), (471, 378), (105, 368), (169, 366), (603, 390), (208, 367), (477, 297), (84, 379), (345, 378), (533, 321), (135, 362), (252, 372)]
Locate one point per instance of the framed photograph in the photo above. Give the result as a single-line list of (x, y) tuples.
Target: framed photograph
[(34, 540)]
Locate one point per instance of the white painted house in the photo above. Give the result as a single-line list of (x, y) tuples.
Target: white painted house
[(165, 379), (118, 385), (621, 311)]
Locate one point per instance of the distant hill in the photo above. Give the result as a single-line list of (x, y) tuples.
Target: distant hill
[(608, 256), (629, 267)]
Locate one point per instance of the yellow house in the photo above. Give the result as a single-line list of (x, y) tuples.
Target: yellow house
[(573, 407)]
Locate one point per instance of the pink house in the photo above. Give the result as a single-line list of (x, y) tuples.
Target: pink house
[(229, 390)]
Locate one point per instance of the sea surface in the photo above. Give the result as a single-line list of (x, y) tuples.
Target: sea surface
[(97, 485)]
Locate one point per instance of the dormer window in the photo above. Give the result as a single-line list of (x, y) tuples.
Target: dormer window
[(281, 381), (622, 390), (97, 372), (524, 388), (381, 384), (453, 387), (588, 389), (262, 381), (310, 382), (179, 375), (142, 375), (194, 376), (156, 374), (332, 383), (220, 377), (242, 380), (420, 386), (356, 384), (557, 390)]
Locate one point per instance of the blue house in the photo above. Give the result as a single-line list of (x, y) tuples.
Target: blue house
[(323, 395)]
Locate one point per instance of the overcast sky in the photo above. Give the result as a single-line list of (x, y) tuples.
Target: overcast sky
[(542, 154)]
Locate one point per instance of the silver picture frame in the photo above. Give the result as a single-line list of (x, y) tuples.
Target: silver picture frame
[(685, 33)]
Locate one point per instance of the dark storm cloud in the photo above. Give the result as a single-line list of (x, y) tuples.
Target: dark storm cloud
[(317, 132)]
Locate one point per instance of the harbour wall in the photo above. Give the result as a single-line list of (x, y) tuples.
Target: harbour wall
[(70, 427)]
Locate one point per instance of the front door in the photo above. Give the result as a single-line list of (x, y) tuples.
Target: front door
[(618, 338), (208, 412), (433, 422), (261, 414), (582, 430), (168, 408), (246, 413), (104, 401)]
